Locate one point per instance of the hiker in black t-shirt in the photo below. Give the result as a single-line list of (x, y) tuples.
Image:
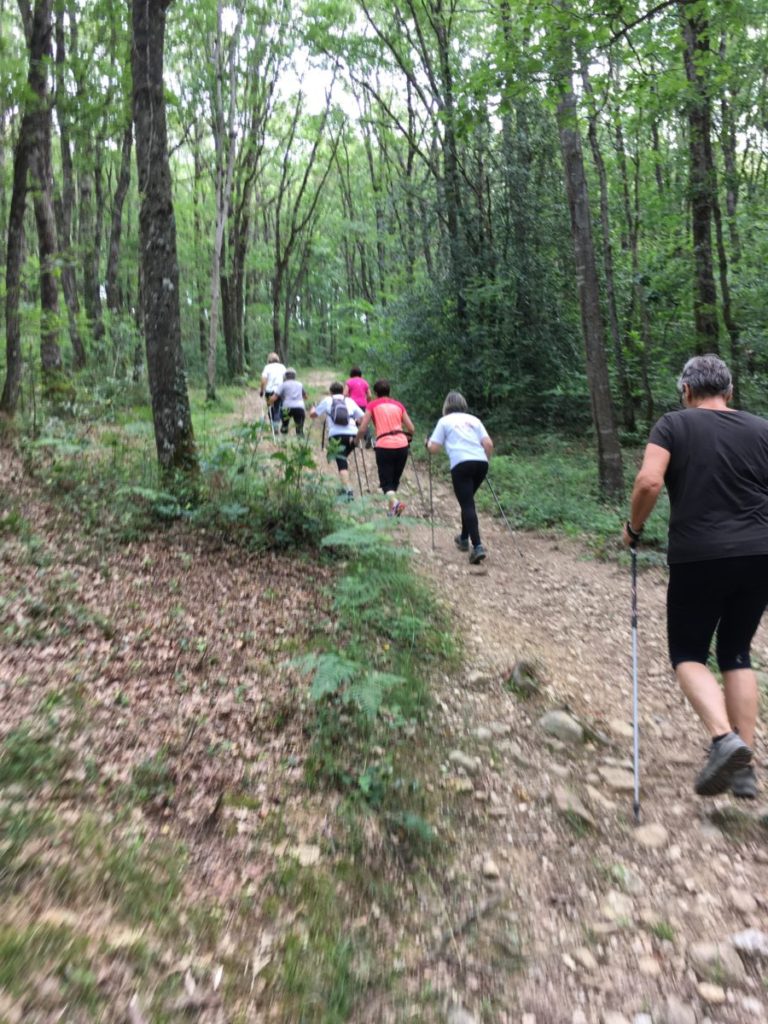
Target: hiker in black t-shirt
[(714, 462)]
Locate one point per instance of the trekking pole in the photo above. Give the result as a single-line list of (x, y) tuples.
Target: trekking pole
[(635, 722), (357, 467), (415, 473), (431, 506), (365, 470), (503, 516), (322, 436)]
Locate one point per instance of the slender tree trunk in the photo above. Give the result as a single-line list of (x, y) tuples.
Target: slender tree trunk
[(157, 233), (64, 202), (627, 407), (15, 249), (114, 298), (609, 452), (202, 333), (701, 173)]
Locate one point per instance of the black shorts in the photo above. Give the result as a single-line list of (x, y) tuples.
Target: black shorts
[(726, 596), (339, 448), (390, 462)]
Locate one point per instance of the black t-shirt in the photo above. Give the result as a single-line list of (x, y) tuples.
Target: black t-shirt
[(717, 481)]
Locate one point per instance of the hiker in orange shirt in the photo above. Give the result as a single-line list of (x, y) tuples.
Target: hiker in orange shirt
[(394, 431)]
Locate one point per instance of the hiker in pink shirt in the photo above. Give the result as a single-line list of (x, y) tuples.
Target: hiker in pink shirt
[(359, 390)]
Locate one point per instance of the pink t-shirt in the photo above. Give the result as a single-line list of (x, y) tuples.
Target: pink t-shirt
[(358, 390)]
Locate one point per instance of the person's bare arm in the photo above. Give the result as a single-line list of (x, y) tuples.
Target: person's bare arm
[(647, 487), (363, 425), (487, 444)]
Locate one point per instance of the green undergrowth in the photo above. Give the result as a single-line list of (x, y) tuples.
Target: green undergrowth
[(550, 484), (370, 680), (245, 493)]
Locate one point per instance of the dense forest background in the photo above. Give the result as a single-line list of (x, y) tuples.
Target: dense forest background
[(549, 206)]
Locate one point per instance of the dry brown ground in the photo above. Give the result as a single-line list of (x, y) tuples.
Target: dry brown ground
[(163, 645)]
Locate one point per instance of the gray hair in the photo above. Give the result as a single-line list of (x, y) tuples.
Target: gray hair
[(706, 376), (290, 373), (454, 402)]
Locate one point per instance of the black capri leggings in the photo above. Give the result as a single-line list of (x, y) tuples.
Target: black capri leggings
[(724, 595), (390, 462), (339, 448), (467, 477)]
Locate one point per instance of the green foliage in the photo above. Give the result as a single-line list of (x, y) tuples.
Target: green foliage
[(29, 757), (351, 682), (315, 973), (553, 485), (153, 780)]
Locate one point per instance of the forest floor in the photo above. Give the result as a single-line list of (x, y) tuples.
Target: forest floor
[(161, 857)]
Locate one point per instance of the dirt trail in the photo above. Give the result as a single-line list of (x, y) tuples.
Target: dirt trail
[(561, 915)]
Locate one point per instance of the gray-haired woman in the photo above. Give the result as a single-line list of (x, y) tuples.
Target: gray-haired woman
[(468, 447), (714, 462)]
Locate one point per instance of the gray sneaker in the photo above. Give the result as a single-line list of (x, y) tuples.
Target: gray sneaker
[(477, 554), (744, 783), (726, 757), (461, 542)]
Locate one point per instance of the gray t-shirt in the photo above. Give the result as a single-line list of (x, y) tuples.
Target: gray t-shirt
[(717, 481), (291, 394)]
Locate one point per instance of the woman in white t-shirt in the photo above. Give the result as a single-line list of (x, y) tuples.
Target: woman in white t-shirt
[(468, 447), (271, 378)]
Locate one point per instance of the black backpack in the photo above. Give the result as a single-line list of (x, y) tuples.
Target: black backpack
[(339, 412)]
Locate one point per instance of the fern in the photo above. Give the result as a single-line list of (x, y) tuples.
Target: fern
[(353, 682), (365, 537)]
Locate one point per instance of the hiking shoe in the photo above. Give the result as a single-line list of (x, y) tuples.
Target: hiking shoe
[(477, 554), (461, 542), (726, 757), (398, 508), (744, 783), (350, 495)]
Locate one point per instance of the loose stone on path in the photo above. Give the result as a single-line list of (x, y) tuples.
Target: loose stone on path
[(563, 727)]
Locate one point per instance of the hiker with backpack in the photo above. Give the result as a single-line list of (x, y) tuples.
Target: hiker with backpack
[(394, 431), (469, 448), (271, 378), (714, 463), (342, 416), (358, 388), (291, 396)]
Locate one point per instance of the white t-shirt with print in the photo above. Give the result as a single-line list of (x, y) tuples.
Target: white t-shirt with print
[(460, 434), (336, 429)]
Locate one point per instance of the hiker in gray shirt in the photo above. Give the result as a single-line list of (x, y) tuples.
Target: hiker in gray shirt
[(291, 395)]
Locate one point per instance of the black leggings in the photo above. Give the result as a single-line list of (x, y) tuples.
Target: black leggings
[(390, 462), (467, 477), (724, 595), (298, 416)]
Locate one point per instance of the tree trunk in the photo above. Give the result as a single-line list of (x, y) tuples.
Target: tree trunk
[(114, 298), (15, 250), (174, 436), (701, 174), (64, 202), (627, 408), (608, 449)]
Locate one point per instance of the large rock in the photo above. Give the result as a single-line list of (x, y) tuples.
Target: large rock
[(717, 962), (751, 943), (563, 727), (652, 836), (618, 779), (569, 804), (471, 765), (458, 1015), (677, 1012)]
